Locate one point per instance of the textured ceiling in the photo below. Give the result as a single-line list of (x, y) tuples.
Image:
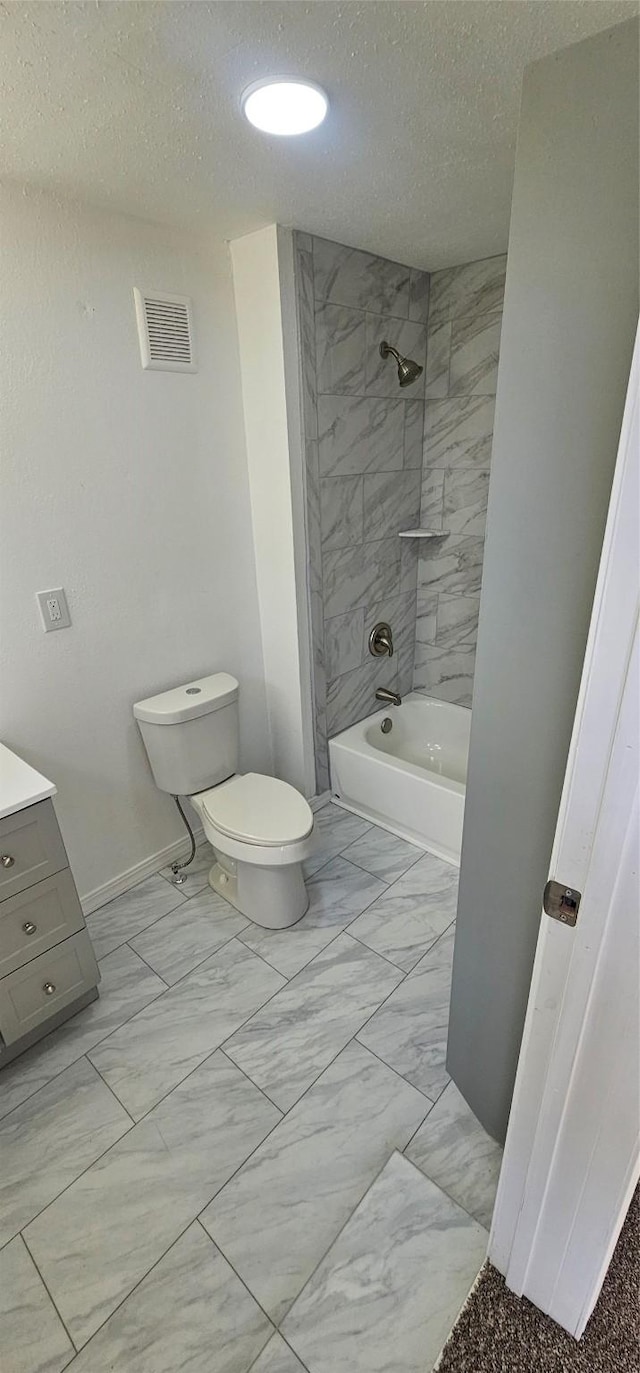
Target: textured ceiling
[(134, 106)]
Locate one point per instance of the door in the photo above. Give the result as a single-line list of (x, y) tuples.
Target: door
[(571, 1157)]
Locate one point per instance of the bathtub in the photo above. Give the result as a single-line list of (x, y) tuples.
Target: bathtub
[(412, 779)]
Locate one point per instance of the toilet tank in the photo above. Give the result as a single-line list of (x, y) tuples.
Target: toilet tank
[(191, 734)]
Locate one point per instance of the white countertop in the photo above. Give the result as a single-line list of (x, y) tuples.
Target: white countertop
[(20, 785)]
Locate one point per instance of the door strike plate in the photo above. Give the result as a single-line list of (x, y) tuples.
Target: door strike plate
[(562, 903)]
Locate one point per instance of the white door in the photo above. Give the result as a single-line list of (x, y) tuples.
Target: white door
[(572, 1151)]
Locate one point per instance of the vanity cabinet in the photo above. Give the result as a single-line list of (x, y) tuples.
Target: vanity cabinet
[(48, 969)]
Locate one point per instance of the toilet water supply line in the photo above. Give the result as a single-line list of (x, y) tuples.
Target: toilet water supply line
[(179, 876)]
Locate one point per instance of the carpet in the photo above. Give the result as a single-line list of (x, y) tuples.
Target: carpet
[(498, 1332)]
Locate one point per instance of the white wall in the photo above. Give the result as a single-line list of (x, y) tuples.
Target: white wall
[(130, 489), (265, 305), (570, 314)]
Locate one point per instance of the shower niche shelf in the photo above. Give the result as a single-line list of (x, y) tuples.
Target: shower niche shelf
[(423, 534)]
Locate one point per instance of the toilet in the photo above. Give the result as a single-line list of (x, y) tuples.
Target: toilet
[(260, 828)]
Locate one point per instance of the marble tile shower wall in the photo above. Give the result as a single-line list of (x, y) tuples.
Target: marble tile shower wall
[(463, 341), (363, 470)]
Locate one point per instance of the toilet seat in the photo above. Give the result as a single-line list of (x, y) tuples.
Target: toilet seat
[(258, 810)]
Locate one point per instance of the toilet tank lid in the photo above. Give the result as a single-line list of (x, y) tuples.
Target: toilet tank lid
[(188, 701)]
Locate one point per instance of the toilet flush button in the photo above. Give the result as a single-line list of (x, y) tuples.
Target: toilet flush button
[(193, 691)]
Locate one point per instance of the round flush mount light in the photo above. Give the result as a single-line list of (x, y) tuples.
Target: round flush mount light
[(284, 105)]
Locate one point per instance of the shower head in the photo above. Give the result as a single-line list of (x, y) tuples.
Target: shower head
[(408, 370)]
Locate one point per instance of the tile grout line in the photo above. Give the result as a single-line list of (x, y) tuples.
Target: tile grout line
[(210, 1052), (44, 1284), (182, 1232), (219, 1048), (406, 975), (430, 1103), (188, 971), (284, 1116), (147, 964), (331, 941), (88, 1050)]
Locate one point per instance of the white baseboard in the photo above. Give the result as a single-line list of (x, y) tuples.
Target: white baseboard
[(117, 885)]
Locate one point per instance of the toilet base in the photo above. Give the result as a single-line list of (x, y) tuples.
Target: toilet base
[(273, 897)]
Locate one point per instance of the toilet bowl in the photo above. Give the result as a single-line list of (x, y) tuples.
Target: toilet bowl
[(259, 827), (261, 832)]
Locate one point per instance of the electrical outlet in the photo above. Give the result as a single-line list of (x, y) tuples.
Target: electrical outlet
[(54, 610)]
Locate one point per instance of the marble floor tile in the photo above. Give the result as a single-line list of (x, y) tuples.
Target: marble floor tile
[(191, 1313), (286, 1046), (196, 876), (50, 1139), (277, 1357), (386, 1295), (179, 941), (33, 1338), (338, 892), (127, 985), (410, 1031), (333, 830), (311, 1172), (127, 915), (166, 1041), (383, 854), (404, 922), (96, 1241), (453, 1149)]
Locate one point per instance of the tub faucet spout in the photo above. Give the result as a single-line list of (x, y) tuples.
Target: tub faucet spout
[(390, 698)]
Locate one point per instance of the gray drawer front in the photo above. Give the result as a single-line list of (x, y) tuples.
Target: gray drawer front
[(38, 918), (31, 848), (45, 985)]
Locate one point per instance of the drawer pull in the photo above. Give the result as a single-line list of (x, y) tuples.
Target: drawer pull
[(49, 988), (29, 927), (7, 860)]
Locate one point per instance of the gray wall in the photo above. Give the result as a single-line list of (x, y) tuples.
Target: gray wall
[(463, 341), (569, 319), (363, 472)]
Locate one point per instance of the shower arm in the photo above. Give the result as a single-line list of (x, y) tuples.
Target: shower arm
[(387, 349)]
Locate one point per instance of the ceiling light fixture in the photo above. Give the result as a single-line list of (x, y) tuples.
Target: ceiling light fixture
[(283, 105)]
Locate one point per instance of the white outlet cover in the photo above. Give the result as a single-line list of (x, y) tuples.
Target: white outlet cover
[(54, 611)]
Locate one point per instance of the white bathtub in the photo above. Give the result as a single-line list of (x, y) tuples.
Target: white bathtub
[(412, 779)]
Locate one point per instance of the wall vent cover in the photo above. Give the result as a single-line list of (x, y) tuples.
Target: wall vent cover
[(165, 330)]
